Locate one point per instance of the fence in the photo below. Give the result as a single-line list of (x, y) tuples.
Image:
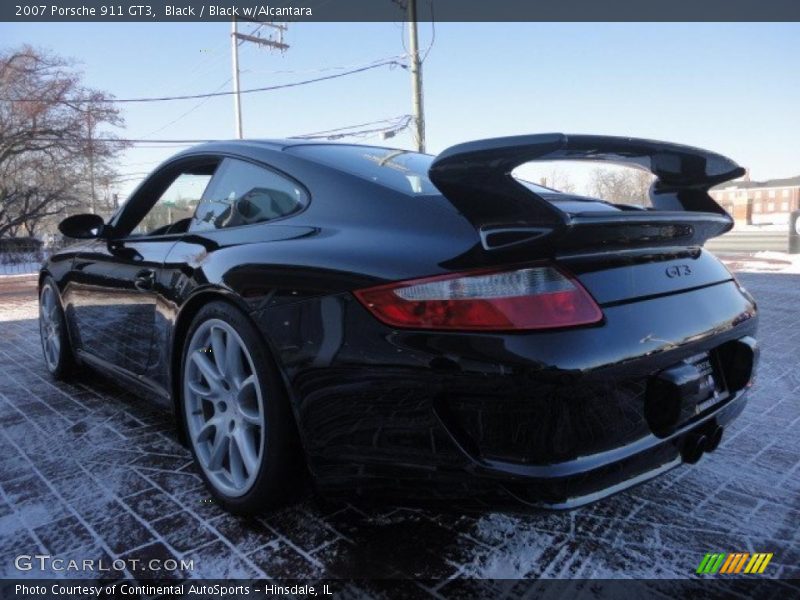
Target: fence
[(21, 256)]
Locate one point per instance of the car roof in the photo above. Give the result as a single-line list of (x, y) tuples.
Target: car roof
[(277, 144), (253, 146)]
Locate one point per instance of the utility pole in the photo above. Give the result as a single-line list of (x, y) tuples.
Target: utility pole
[(416, 78), (239, 38), (237, 98)]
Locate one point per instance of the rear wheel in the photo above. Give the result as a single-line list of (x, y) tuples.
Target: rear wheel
[(237, 418), (53, 333)]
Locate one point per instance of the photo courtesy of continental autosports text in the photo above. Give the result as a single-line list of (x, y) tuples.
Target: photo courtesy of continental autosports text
[(216, 590), (399, 299)]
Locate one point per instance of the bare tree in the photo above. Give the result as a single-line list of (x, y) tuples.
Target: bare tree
[(621, 185), (558, 179), (49, 147)]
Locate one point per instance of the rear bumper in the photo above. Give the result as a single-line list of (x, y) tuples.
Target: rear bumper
[(575, 483), (546, 457), (553, 419)]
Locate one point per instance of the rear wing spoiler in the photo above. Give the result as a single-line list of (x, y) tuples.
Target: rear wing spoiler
[(476, 178)]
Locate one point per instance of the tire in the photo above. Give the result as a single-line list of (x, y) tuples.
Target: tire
[(236, 415), (56, 348)]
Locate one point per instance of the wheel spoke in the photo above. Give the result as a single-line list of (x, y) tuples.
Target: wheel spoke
[(233, 363), (247, 401), (250, 418), (207, 430), (238, 475), (56, 342), (51, 354), (198, 388), (218, 350), (246, 383), (246, 450), (208, 370), (218, 450)]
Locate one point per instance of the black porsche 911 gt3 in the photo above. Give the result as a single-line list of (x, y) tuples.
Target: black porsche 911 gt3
[(410, 325)]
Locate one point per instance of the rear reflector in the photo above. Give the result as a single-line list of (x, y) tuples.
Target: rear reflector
[(540, 297)]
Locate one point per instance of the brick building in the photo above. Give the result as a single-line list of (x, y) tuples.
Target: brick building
[(759, 202)]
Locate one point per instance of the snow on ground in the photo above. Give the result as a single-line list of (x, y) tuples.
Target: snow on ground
[(12, 269), (93, 470), (763, 262)]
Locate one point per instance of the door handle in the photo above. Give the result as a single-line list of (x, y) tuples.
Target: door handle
[(145, 280)]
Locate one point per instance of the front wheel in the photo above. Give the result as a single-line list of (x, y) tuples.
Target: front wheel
[(53, 333), (237, 417)]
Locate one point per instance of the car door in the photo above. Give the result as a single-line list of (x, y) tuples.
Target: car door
[(113, 290)]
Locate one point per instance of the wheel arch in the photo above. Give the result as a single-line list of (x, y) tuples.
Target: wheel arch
[(186, 315)]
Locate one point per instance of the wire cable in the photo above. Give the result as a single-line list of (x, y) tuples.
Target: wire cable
[(400, 123), (216, 94)]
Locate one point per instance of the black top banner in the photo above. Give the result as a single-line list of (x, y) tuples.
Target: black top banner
[(397, 10)]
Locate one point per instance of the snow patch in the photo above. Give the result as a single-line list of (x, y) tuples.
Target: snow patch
[(766, 261)]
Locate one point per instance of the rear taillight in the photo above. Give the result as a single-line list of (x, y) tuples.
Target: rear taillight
[(536, 297)]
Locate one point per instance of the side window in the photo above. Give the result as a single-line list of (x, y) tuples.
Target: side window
[(173, 210), (242, 193)]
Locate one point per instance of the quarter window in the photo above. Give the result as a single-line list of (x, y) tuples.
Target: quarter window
[(242, 193)]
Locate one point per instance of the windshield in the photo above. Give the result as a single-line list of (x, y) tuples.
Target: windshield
[(401, 170)]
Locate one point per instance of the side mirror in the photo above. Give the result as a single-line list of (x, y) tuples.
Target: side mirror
[(82, 227)]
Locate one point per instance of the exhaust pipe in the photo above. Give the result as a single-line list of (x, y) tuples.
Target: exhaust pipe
[(693, 448), (714, 438), (697, 443)]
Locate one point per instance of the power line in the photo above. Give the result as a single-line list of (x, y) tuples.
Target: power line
[(138, 164), (188, 112), (396, 57), (123, 176), (394, 126), (120, 140), (223, 84), (216, 94), (399, 123), (157, 145)]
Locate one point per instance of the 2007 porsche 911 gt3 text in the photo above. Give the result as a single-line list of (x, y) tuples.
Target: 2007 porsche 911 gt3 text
[(414, 326)]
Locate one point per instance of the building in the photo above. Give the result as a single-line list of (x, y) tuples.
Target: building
[(759, 202)]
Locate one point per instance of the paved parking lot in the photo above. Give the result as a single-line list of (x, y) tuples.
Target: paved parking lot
[(91, 470)]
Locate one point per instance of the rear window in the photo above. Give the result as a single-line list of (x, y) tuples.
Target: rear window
[(401, 170)]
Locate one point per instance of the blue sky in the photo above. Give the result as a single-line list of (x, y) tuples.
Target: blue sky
[(732, 88)]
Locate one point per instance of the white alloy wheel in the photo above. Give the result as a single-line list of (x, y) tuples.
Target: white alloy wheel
[(225, 410)]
